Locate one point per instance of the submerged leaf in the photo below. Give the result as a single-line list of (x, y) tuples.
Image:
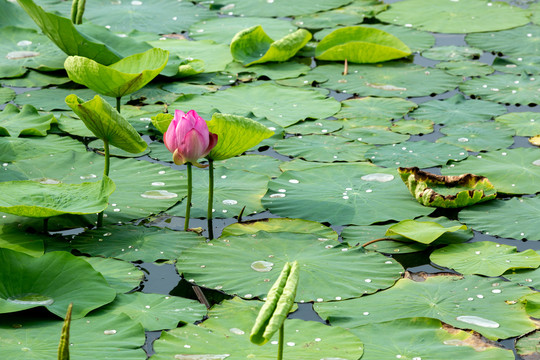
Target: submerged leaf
[(361, 45), (447, 191), (254, 46)]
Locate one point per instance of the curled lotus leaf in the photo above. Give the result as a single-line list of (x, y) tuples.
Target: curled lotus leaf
[(447, 191)]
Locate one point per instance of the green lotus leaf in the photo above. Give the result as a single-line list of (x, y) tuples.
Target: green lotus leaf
[(106, 123), (121, 78), (388, 79), (521, 169), (12, 14), (447, 191), (311, 127), (455, 16), (422, 338), (332, 193), (53, 280), (492, 218), (275, 71), (93, 337), (487, 306), (15, 149), (228, 328), (67, 37), (361, 45), (374, 135), (36, 79), (253, 46), (280, 300), (249, 264), (282, 225), (122, 276), (49, 99), (257, 164), (413, 127), (156, 311), (452, 52), (421, 154), (457, 109), (135, 243), (524, 277), (524, 123), (478, 136), (465, 68), (529, 346), (6, 95), (424, 232), (324, 148), (142, 188), (278, 8), (519, 42), (223, 29), (15, 122), (373, 107), (51, 198), (484, 258), (527, 64), (504, 88), (14, 238), (236, 134)]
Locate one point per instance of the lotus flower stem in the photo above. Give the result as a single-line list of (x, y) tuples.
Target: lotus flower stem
[(74, 7), (280, 341), (210, 198), (188, 200), (105, 172), (118, 104)]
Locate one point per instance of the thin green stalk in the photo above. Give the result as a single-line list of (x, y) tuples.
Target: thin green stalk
[(105, 172), (74, 7), (210, 198), (118, 104), (80, 11), (280, 343), (188, 200)]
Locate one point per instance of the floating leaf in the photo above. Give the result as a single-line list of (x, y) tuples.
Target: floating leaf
[(492, 218), (413, 127), (123, 77), (271, 225), (422, 154), (70, 40), (228, 326), (278, 8), (481, 309), (35, 79), (521, 41), (424, 232), (106, 123), (372, 107), (524, 123), (67, 279), (361, 45), (478, 136), (93, 337), (455, 16), (452, 52), (331, 193), (447, 191), (120, 275), (156, 311), (465, 68), (6, 94), (504, 88), (253, 46), (484, 258), (457, 109), (15, 149), (45, 199), (311, 127), (135, 243), (277, 306), (529, 346), (14, 238), (521, 169), (236, 134), (376, 135), (15, 122), (246, 265)]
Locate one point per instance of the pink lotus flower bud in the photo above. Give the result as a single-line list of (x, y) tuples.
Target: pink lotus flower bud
[(188, 138)]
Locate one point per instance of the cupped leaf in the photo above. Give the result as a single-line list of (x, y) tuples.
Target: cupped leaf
[(484, 258), (361, 45), (253, 46), (51, 198), (236, 134), (447, 191), (93, 337), (121, 78), (15, 122), (277, 306), (424, 232), (70, 40), (53, 280), (106, 123)]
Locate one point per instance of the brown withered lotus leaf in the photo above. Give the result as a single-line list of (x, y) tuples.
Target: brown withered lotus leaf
[(447, 191)]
